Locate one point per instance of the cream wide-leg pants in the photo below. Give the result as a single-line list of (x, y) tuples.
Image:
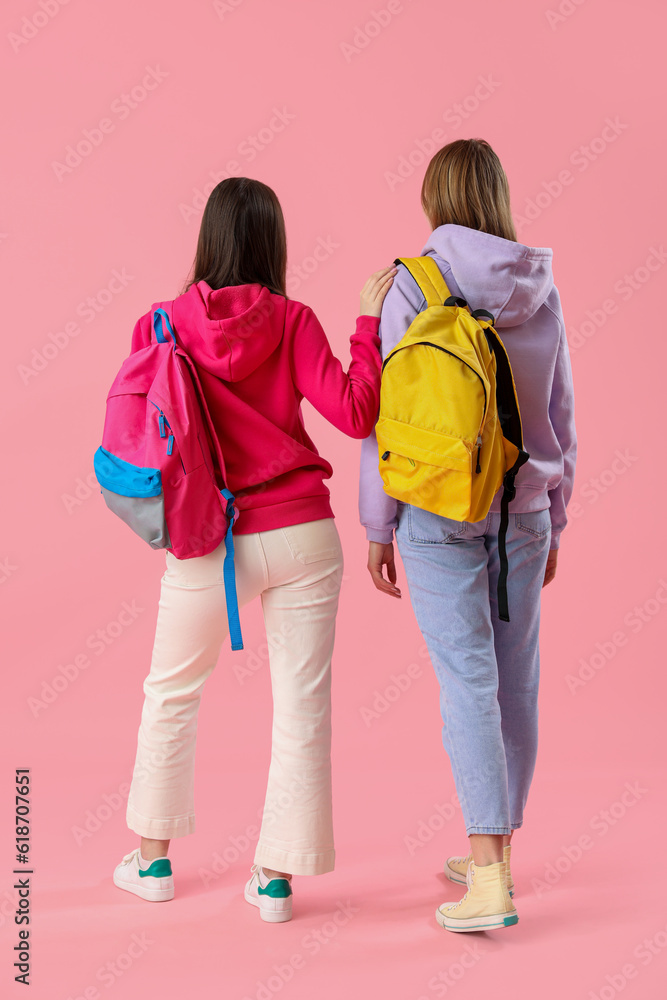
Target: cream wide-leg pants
[(297, 570)]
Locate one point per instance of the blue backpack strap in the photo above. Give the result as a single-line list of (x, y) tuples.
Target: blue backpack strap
[(161, 318), (229, 576)]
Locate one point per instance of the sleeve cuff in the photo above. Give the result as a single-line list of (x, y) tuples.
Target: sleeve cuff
[(383, 535), (555, 539), (368, 324)]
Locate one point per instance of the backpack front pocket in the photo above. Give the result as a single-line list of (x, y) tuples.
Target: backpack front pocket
[(426, 469), (134, 493)]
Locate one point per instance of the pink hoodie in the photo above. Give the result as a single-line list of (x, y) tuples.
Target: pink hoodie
[(258, 355)]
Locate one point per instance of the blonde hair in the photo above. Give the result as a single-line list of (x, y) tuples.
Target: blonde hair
[(465, 184)]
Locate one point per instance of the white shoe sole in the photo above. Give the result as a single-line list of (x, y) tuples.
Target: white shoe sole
[(454, 876), (476, 923), (152, 894), (271, 916)]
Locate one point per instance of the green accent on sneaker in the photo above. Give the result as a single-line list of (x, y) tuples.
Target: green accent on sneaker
[(158, 869), (508, 921), (278, 888)]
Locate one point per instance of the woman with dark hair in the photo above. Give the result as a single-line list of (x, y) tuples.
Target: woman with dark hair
[(258, 354), (487, 667)]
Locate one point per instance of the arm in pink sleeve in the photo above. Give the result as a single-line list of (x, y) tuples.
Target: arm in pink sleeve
[(348, 400)]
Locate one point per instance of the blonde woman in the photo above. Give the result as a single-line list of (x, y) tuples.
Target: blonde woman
[(488, 669)]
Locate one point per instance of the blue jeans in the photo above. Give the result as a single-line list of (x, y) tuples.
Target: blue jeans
[(488, 669)]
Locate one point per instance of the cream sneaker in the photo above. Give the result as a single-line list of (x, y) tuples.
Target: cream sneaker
[(485, 905), (456, 868)]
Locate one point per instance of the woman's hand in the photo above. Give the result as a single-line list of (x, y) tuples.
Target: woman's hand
[(374, 291), (380, 555), (550, 571)]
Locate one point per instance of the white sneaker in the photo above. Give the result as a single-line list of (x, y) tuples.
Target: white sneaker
[(155, 883), (272, 896)]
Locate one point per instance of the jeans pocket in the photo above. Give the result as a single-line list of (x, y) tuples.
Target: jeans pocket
[(313, 541), (426, 528), (535, 522)]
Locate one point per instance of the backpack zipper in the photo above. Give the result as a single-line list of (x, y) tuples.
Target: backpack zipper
[(427, 343), (162, 422)]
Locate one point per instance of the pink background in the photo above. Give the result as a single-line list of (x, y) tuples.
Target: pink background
[(68, 565)]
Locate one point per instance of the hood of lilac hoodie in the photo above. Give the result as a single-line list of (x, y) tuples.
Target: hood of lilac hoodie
[(515, 283), (509, 279)]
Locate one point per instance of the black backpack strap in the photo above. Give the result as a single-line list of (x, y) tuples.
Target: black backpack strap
[(510, 422)]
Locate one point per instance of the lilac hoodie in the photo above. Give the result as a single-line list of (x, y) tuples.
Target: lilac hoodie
[(515, 283)]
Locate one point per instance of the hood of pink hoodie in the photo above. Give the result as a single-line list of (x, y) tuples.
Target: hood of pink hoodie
[(229, 331), (509, 279)]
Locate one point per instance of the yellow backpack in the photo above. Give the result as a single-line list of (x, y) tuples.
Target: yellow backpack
[(449, 429)]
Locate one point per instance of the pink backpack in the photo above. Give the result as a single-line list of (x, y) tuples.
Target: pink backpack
[(160, 465)]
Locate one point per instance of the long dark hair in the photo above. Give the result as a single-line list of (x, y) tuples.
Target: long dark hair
[(242, 237), (466, 184)]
